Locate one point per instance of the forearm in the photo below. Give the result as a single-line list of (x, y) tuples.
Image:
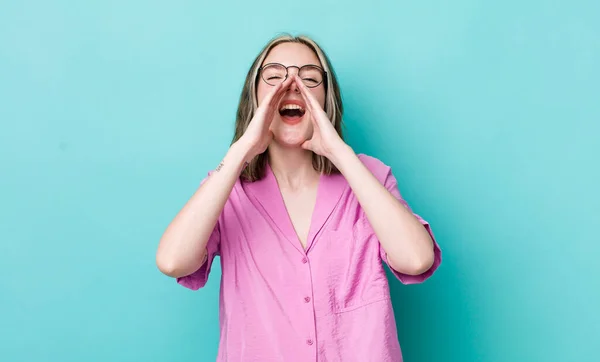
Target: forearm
[(182, 248), (406, 241)]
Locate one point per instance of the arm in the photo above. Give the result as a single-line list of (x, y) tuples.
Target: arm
[(182, 248), (407, 243)]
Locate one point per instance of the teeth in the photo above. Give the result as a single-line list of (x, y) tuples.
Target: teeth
[(291, 106)]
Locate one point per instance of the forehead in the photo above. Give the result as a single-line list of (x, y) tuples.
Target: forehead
[(292, 54)]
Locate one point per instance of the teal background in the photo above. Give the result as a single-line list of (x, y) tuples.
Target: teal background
[(112, 112)]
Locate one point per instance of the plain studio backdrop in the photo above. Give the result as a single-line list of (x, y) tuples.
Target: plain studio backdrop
[(112, 112)]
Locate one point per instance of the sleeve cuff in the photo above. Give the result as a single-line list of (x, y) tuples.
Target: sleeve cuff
[(416, 279)]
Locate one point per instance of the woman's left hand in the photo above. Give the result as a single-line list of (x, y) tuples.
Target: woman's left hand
[(325, 140)]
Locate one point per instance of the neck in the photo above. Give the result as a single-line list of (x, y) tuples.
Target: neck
[(292, 167)]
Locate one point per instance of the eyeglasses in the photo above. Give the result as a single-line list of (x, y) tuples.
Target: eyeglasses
[(275, 73)]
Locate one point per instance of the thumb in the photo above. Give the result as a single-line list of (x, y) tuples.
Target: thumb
[(269, 138), (307, 145)]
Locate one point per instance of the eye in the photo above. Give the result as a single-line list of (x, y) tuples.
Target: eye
[(311, 75)]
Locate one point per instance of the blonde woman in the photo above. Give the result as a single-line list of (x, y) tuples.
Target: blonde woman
[(301, 223)]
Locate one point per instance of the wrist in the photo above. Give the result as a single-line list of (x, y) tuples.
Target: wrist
[(340, 154), (241, 151)]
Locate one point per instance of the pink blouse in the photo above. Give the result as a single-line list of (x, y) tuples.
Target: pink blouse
[(281, 302)]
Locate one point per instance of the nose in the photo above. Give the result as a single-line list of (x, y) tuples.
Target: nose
[(293, 71), (294, 87)]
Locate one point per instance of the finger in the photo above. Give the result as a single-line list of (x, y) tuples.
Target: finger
[(306, 145), (306, 94), (287, 82), (271, 94), (305, 97), (268, 99), (312, 106), (311, 116), (311, 109), (277, 91), (283, 87)]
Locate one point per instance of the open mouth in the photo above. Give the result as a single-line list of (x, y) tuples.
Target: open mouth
[(291, 112)]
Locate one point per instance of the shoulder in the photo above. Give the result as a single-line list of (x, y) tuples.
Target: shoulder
[(377, 167)]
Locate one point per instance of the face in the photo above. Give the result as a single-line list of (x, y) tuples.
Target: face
[(291, 126)]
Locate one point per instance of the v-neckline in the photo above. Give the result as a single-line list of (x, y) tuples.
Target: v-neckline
[(268, 194), (289, 216)]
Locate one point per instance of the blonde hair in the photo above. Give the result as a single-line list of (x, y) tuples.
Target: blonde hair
[(248, 104)]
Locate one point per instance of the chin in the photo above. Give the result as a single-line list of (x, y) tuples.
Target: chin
[(289, 141), (291, 135)]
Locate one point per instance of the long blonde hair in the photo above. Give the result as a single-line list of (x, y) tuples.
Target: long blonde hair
[(249, 103)]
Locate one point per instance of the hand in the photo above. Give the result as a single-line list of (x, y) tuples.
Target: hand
[(325, 140), (258, 136)]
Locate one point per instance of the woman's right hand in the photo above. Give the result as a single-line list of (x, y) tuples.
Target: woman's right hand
[(258, 135)]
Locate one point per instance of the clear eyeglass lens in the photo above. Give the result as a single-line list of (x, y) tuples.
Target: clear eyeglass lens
[(311, 76), (274, 74)]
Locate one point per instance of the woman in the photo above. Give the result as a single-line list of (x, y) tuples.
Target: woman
[(301, 224)]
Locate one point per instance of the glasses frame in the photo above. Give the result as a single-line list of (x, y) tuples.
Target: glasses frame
[(323, 73)]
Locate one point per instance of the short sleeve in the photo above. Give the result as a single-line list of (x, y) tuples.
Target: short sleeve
[(198, 279), (392, 186)]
